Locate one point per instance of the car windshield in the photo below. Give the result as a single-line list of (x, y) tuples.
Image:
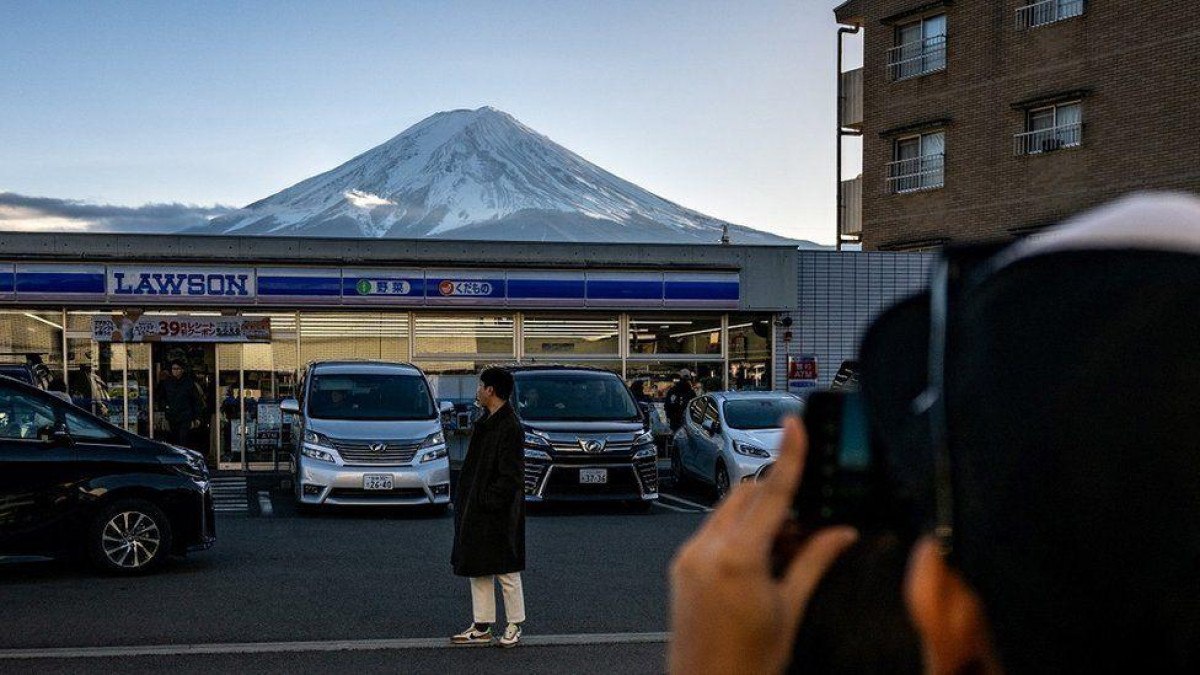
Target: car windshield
[(360, 396), (573, 395), (760, 413)]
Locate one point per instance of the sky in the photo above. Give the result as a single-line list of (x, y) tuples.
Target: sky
[(724, 107)]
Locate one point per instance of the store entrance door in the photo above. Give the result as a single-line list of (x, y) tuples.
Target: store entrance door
[(183, 398)]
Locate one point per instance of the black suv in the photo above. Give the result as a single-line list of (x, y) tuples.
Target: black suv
[(71, 483), (585, 436)]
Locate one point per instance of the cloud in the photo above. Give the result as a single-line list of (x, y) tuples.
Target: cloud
[(48, 214)]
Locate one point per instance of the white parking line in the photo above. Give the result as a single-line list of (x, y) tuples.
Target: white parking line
[(673, 508), (681, 500), (318, 646)]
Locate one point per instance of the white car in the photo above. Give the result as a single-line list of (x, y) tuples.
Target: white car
[(370, 433), (729, 437)]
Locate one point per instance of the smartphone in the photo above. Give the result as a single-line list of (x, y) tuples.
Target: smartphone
[(843, 481)]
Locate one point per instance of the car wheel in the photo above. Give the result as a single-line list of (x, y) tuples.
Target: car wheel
[(678, 475), (130, 536), (722, 481)]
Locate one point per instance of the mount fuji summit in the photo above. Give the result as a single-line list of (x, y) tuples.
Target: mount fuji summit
[(477, 175)]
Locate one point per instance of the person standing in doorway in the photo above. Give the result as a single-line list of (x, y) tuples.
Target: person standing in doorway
[(679, 396), (489, 514), (182, 403)]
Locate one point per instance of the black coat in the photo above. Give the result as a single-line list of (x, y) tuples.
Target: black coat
[(489, 499), (181, 399), (679, 396)]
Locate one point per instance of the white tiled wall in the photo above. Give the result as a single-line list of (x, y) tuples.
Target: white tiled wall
[(839, 294)]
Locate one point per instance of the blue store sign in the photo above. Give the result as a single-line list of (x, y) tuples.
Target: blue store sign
[(182, 282), (136, 285)]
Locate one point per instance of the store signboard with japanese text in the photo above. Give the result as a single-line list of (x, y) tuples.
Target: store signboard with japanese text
[(180, 328), (802, 372)]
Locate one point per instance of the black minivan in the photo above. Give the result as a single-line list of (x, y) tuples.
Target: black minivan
[(585, 436), (73, 484)]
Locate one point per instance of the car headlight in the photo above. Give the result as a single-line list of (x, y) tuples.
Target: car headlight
[(750, 450), (317, 453), (533, 438), (318, 446), (435, 443), (193, 467), (644, 439), (646, 453), (530, 453), (436, 453), (314, 438)]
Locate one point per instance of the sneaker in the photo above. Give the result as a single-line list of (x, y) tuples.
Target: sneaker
[(471, 636), (512, 636)]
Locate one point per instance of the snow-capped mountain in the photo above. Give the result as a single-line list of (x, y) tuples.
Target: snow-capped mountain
[(476, 174)]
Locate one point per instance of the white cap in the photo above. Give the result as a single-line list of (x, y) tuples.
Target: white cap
[(1156, 221)]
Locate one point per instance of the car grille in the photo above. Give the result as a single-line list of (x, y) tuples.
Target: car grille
[(612, 447), (357, 493), (360, 452)]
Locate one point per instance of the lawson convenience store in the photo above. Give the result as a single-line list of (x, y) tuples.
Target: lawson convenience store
[(103, 315)]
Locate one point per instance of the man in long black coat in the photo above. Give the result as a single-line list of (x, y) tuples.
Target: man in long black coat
[(489, 514), (180, 397)]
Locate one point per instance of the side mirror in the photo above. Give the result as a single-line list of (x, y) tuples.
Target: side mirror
[(61, 437), (290, 406), (445, 407), (709, 426)]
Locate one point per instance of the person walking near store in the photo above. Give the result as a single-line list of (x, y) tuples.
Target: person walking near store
[(489, 514), (182, 403), (678, 397)]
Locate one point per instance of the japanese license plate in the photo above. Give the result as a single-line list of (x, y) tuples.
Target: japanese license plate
[(593, 476), (380, 481)]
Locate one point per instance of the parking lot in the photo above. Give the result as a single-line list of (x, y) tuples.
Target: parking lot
[(367, 589)]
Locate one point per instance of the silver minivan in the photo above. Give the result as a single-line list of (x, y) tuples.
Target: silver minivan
[(368, 433)]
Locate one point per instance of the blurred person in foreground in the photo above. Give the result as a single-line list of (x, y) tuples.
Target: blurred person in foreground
[(1073, 542)]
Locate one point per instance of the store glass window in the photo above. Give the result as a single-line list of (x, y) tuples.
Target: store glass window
[(559, 336), (487, 335), (750, 351), (90, 375), (674, 334), (353, 335)]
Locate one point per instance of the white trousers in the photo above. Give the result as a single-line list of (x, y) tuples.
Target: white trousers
[(483, 598)]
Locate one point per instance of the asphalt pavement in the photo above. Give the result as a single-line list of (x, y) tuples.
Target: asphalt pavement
[(364, 590)]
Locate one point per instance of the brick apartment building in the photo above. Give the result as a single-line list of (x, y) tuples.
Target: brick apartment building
[(986, 119)]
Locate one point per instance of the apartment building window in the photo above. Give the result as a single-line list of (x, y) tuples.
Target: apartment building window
[(918, 163), (920, 48), (1050, 128), (1048, 11)]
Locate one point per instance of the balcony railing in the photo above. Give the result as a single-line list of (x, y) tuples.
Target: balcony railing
[(917, 58), (919, 173), (1047, 11), (1048, 140)]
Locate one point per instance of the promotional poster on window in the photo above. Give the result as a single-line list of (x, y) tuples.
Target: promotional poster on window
[(119, 328)]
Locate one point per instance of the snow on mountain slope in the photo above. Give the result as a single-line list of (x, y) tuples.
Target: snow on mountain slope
[(481, 175)]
